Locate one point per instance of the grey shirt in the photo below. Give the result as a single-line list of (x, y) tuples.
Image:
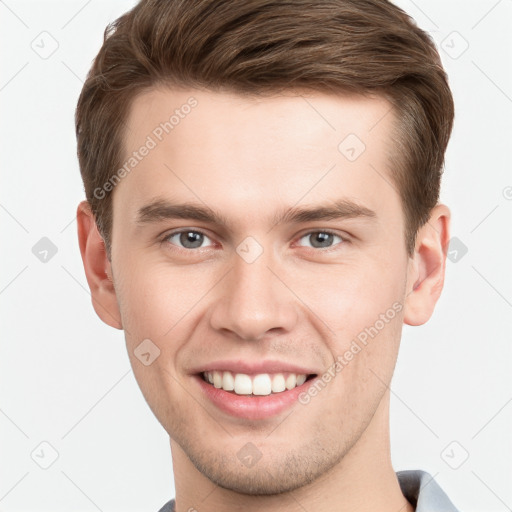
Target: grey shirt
[(418, 487)]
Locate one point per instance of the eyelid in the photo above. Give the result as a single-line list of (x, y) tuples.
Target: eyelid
[(345, 238), (169, 234)]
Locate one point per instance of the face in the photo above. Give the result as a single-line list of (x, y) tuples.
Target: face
[(260, 237)]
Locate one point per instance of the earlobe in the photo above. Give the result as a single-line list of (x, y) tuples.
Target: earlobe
[(97, 267), (425, 276)]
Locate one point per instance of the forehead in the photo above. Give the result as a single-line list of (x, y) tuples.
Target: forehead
[(254, 150), (200, 113)]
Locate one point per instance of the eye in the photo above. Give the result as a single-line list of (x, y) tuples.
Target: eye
[(187, 239), (321, 239)]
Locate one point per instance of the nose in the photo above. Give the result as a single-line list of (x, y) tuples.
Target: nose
[(253, 300)]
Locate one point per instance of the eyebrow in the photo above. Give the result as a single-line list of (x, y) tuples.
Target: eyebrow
[(161, 209)]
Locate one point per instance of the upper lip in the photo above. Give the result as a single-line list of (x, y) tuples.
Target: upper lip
[(253, 367)]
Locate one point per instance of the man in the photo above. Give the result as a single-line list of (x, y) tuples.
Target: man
[(262, 217)]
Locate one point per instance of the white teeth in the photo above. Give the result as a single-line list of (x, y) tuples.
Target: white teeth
[(228, 382), (301, 379), (261, 384), (217, 379), (278, 383), (243, 384), (291, 381)]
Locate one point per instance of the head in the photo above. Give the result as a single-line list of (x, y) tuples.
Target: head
[(267, 132)]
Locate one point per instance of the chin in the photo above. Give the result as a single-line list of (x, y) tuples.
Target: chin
[(270, 475)]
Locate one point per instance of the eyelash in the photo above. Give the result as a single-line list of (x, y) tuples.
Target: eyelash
[(168, 236)]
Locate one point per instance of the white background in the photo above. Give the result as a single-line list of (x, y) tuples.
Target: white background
[(66, 379)]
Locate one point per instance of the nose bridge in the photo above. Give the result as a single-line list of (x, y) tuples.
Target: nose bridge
[(252, 300)]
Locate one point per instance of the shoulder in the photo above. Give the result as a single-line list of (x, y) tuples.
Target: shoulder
[(423, 492), (168, 507), (418, 487)]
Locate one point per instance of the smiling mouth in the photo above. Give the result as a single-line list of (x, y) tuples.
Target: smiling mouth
[(260, 384)]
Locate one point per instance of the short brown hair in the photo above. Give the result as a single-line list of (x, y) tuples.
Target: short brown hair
[(267, 46)]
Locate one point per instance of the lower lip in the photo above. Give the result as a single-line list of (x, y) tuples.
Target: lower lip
[(249, 406)]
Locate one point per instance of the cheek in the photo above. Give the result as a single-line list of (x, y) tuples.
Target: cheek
[(362, 306), (161, 303), (156, 298), (157, 303), (350, 298)]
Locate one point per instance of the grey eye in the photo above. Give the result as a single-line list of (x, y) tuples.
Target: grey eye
[(188, 239), (320, 239)]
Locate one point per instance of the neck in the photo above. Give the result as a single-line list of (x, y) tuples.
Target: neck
[(363, 481)]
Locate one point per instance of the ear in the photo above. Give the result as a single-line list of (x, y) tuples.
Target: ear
[(97, 267), (425, 274)]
